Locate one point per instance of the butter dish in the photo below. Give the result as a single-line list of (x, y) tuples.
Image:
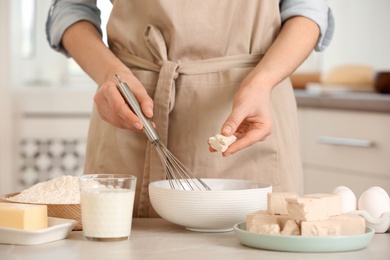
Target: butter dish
[(58, 229)]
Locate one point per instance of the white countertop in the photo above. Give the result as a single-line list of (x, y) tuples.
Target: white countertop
[(159, 239)]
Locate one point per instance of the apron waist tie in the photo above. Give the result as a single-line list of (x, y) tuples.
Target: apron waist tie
[(164, 96)]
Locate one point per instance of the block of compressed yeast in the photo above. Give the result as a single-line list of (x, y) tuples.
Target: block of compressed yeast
[(350, 224), (321, 228), (23, 216), (255, 221), (277, 204), (263, 223), (221, 143), (314, 207), (269, 229), (333, 202), (291, 227)]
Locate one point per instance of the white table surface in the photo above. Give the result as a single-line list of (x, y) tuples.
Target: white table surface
[(159, 239)]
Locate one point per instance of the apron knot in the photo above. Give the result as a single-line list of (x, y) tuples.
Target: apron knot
[(164, 95)]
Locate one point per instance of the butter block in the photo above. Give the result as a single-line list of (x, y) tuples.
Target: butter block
[(350, 224), (277, 204), (23, 216), (314, 207), (321, 228)]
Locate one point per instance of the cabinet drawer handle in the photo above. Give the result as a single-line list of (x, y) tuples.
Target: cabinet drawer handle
[(345, 141)]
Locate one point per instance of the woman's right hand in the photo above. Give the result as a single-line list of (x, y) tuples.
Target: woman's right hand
[(112, 107), (84, 43)]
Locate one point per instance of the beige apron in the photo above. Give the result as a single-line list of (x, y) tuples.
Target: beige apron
[(191, 56)]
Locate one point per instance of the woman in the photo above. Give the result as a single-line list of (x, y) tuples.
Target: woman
[(197, 68)]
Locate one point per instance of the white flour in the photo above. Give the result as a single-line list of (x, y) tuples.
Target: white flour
[(61, 190)]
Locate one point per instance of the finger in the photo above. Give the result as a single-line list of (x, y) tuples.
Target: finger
[(105, 110), (231, 124), (122, 113), (107, 115), (142, 96), (212, 150), (248, 139)]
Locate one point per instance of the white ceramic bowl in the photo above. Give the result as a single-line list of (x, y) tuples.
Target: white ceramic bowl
[(218, 210)]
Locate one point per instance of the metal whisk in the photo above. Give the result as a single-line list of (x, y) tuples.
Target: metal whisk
[(179, 176)]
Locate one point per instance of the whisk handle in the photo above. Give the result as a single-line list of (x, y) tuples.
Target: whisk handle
[(134, 105)]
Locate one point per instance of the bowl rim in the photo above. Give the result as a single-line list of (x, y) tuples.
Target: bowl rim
[(265, 186)]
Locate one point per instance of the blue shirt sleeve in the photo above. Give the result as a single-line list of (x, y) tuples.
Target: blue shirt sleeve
[(316, 10), (64, 13)]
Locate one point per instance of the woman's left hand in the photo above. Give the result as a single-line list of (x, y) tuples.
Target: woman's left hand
[(250, 120)]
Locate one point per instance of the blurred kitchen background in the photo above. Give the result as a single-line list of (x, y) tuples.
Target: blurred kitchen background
[(344, 111)]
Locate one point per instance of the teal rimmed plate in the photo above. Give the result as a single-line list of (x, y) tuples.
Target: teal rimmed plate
[(303, 243)]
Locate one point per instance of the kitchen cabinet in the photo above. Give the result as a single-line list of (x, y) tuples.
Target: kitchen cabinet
[(344, 147)]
